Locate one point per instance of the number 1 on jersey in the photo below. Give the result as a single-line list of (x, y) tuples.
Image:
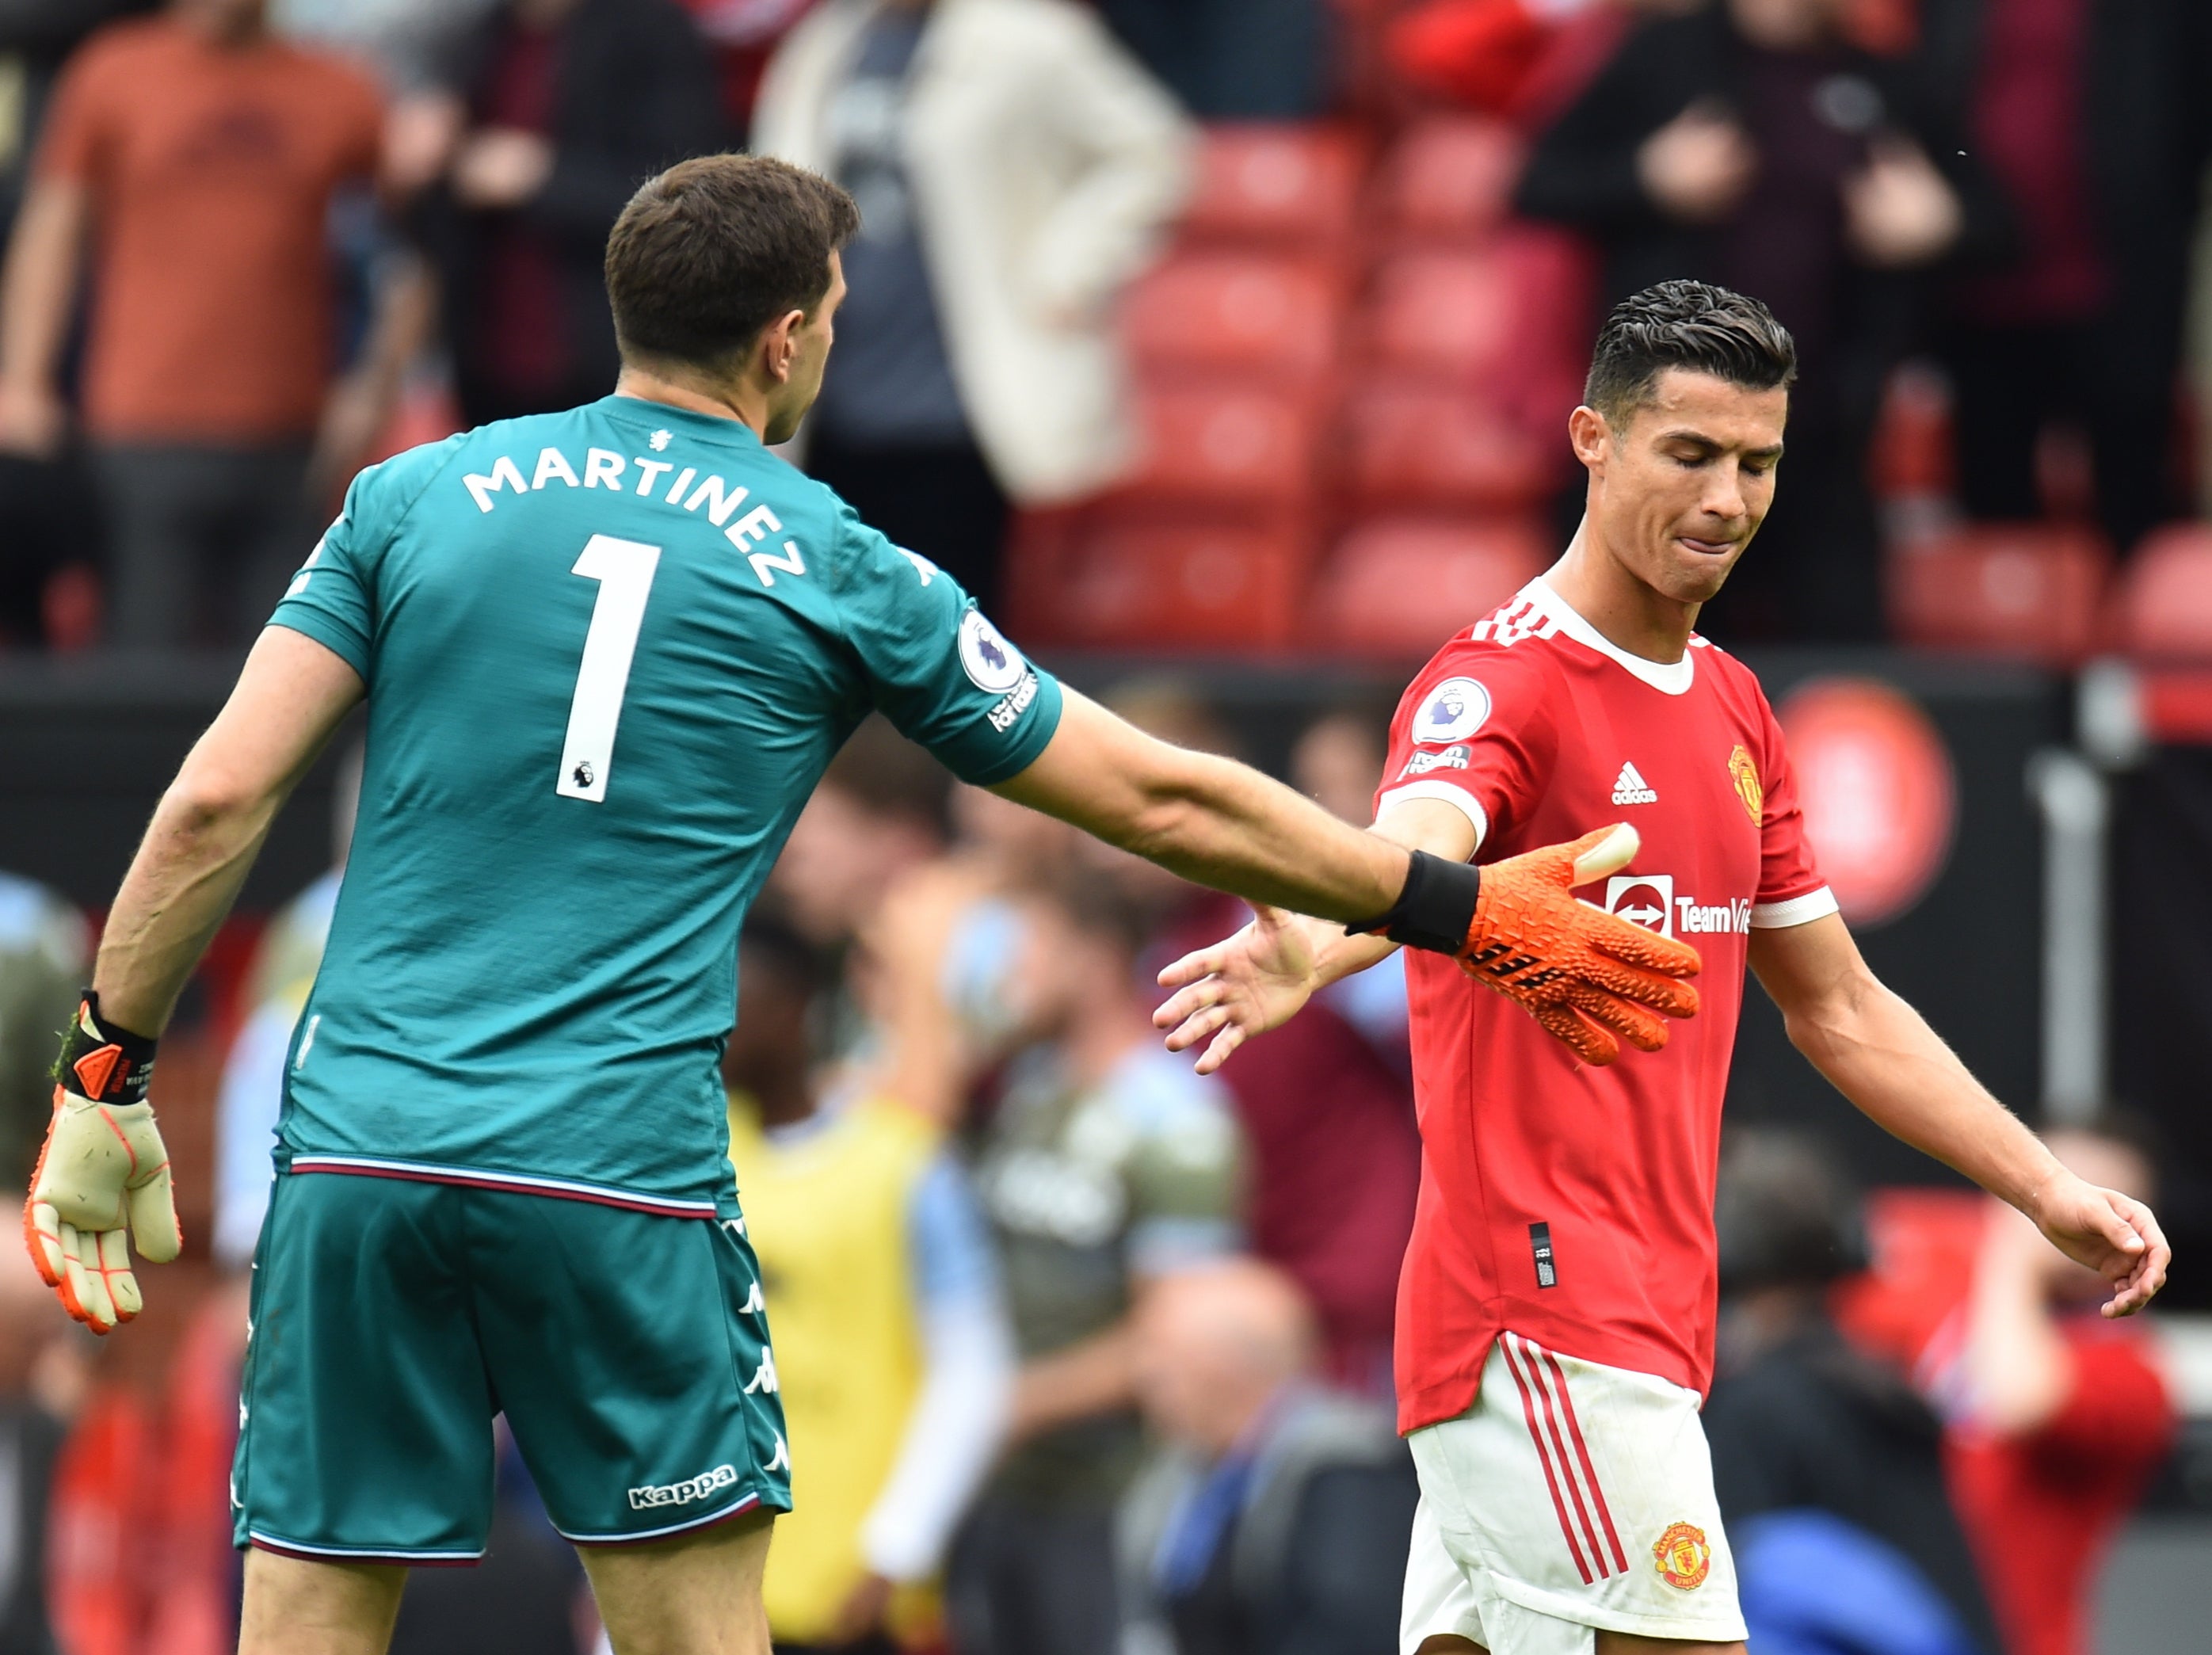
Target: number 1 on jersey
[(624, 570)]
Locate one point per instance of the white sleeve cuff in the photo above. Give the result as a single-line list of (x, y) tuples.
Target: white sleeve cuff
[(1458, 798), (1797, 910)]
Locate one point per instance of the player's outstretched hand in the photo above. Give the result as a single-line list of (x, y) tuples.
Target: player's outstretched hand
[(1254, 981), (103, 1177), (2115, 1235), (1585, 976)]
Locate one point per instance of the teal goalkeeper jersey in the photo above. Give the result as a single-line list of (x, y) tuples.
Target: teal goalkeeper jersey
[(609, 653)]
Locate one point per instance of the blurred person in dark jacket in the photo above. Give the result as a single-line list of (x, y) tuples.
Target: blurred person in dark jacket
[(1802, 1422), (563, 107), (2057, 1417), (2091, 117), (1748, 143), (1274, 1516)]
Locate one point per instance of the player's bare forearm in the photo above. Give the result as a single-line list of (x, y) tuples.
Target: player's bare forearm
[(1881, 1055), (210, 824), (1210, 819)]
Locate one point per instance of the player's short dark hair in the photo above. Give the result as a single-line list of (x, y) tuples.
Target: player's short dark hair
[(1692, 325), (714, 249)]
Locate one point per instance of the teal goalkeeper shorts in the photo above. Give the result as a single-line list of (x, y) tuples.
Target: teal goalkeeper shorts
[(391, 1320)]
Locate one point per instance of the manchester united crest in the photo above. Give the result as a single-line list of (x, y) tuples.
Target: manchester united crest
[(1681, 1554), (1744, 774)]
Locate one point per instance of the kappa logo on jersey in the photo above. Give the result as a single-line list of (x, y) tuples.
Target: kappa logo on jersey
[(1451, 758), (684, 1492), (1455, 711), (1630, 787), (1683, 1556), (995, 664), (1649, 900)]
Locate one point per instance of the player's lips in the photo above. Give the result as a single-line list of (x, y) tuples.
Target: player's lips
[(1705, 548)]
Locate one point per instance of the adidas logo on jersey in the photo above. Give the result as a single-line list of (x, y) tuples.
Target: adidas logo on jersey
[(1630, 788)]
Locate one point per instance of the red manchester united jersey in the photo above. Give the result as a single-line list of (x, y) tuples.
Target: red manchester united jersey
[(1575, 1205)]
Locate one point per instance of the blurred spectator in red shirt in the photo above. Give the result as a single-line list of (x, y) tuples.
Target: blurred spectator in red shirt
[(2059, 1417), (2092, 115), (1752, 144), (558, 109), (200, 156)]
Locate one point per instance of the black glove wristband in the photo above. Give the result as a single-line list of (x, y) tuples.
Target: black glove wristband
[(1435, 911), (102, 1062)]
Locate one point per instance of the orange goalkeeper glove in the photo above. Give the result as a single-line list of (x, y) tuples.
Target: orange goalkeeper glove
[(1585, 976), (103, 1174)]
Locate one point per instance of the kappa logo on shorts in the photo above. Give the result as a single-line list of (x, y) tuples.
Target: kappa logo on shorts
[(684, 1492), (1682, 1556)]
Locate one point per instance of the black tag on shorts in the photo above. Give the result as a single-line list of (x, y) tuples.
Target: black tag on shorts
[(1539, 1244)]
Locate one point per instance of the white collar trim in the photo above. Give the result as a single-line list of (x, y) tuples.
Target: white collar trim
[(1668, 677)]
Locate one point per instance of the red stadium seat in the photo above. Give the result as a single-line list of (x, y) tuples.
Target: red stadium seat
[(1510, 310), (1136, 581), (1430, 445), (1278, 182), (1262, 314), (1205, 441), (1449, 178), (2030, 590), (2163, 606), (1398, 589)]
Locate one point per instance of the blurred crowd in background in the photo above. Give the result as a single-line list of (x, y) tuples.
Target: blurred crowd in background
[(1080, 1351), (1208, 325), (1184, 323)]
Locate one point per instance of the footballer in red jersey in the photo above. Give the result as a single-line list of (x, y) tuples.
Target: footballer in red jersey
[(1556, 1308)]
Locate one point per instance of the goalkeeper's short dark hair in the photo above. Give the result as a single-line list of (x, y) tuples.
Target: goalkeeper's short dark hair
[(1692, 325), (712, 251)]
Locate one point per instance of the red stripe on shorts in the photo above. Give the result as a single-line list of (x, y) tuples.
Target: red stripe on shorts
[(1589, 1471), (1530, 1354), (1544, 1457)]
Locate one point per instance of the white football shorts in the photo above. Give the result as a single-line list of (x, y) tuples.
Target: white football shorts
[(1572, 1496)]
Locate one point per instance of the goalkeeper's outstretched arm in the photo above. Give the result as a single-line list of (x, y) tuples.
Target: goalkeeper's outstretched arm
[(1208, 819), (1881, 1055), (1588, 978)]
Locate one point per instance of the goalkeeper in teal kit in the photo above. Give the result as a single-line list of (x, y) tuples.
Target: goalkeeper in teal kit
[(606, 654)]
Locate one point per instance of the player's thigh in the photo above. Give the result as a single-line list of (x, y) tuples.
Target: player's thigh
[(1449, 1644), (291, 1606), (365, 1431), (1627, 1643), (696, 1593), (630, 1353)]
